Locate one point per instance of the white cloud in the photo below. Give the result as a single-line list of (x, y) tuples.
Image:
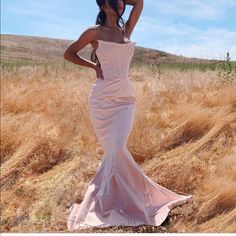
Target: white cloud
[(186, 40), (200, 9), (45, 20)]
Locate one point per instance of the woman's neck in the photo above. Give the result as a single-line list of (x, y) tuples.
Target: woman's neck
[(111, 22)]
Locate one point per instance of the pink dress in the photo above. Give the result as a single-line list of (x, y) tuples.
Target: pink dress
[(120, 193)]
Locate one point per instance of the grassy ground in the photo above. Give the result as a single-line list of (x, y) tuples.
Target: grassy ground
[(183, 138), (10, 64)]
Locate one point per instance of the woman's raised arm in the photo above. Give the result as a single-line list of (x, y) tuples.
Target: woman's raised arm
[(134, 15)]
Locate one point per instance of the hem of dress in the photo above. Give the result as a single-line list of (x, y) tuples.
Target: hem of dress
[(162, 213)]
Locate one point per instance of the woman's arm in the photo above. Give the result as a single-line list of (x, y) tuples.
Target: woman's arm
[(71, 52), (134, 15)]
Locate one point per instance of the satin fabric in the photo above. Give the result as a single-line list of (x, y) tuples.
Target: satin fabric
[(120, 193)]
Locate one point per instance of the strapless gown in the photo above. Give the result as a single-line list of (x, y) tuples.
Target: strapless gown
[(120, 193)]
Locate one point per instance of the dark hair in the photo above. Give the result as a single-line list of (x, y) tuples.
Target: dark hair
[(101, 18)]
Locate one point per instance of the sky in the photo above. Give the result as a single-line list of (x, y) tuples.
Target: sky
[(193, 28)]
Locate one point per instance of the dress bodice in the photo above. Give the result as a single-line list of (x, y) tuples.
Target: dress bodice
[(115, 58)]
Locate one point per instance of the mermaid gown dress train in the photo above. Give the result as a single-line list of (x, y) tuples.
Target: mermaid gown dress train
[(120, 193)]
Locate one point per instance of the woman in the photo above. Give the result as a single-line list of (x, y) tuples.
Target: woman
[(120, 193)]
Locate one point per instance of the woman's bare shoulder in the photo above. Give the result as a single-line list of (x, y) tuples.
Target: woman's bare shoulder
[(90, 32), (93, 27)]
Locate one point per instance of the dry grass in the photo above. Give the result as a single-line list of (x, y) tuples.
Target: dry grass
[(183, 137)]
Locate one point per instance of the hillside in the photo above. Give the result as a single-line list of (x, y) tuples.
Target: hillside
[(42, 48)]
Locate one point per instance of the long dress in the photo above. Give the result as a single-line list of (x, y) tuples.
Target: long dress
[(120, 193)]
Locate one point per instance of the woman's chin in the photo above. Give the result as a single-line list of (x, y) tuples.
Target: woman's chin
[(120, 12)]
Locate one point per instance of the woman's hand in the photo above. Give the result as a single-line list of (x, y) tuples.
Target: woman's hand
[(98, 71)]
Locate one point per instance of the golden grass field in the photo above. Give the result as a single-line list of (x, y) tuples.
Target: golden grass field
[(183, 138)]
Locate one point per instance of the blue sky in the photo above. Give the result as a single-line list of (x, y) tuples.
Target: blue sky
[(194, 28)]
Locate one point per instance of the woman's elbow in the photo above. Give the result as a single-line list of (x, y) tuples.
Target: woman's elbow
[(66, 55)]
